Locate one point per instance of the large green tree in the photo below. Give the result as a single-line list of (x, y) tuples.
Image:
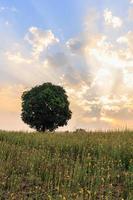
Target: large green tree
[(45, 107)]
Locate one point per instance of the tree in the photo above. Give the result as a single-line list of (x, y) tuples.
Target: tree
[(45, 107)]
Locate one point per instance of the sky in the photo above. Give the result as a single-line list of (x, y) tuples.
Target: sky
[(83, 45)]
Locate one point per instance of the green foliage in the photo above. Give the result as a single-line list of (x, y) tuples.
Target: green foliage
[(78, 166), (45, 107)]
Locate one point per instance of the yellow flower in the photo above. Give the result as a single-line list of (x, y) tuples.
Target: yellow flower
[(81, 191), (88, 191)]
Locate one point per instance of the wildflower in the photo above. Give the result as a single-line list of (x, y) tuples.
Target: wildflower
[(49, 197), (102, 179), (88, 191), (118, 176), (81, 191)]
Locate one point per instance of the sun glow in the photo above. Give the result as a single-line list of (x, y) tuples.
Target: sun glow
[(95, 67)]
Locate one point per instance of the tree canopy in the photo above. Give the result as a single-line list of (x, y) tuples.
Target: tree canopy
[(45, 107)]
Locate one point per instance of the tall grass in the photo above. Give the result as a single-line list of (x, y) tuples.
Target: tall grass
[(69, 166)]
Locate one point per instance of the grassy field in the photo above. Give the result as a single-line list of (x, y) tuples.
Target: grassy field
[(78, 166)]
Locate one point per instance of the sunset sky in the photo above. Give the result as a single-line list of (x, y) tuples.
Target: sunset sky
[(86, 46)]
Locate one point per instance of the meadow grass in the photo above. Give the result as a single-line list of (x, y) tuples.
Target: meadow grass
[(66, 166)]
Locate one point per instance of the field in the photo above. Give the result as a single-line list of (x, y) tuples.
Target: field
[(66, 166)]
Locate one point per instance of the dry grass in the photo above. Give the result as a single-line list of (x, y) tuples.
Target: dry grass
[(78, 166)]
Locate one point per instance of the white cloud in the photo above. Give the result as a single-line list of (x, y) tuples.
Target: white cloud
[(111, 20), (94, 68), (91, 20), (12, 9), (130, 14), (128, 40), (17, 58), (131, 1), (2, 8), (40, 40)]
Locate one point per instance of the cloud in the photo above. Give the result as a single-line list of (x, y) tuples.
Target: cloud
[(90, 22), (2, 8), (111, 20), (40, 40), (130, 14), (127, 39), (11, 9), (17, 58), (75, 45), (95, 68), (131, 1)]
